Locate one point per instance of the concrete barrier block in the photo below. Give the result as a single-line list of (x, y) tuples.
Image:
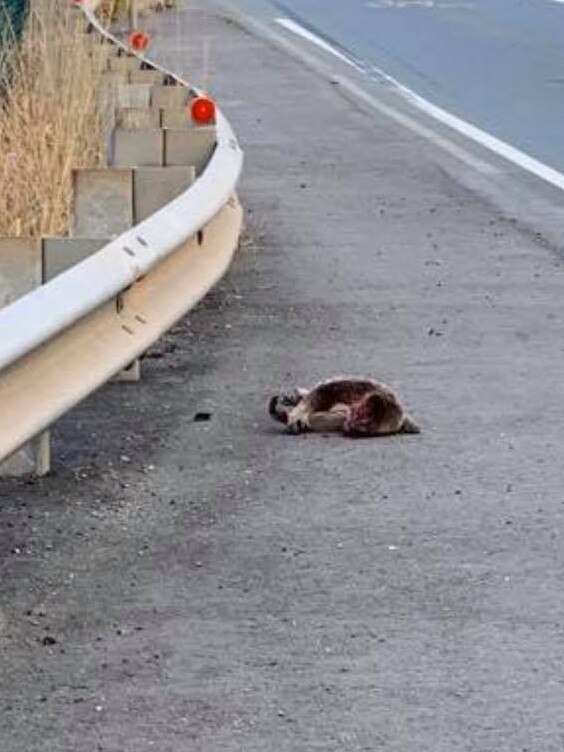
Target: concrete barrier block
[(174, 95), (20, 268), (21, 272), (133, 118), (145, 76), (153, 187), (59, 254), (110, 84), (102, 202), (113, 81), (122, 64), (133, 95), (189, 147), (176, 117), (131, 374), (32, 459), (136, 148), (114, 50)]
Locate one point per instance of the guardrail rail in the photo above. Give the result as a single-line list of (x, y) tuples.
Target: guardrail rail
[(67, 337)]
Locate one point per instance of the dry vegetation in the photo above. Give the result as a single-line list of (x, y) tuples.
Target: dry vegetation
[(53, 117), (113, 9)]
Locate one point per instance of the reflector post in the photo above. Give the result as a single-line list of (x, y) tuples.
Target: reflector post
[(138, 40), (202, 110)]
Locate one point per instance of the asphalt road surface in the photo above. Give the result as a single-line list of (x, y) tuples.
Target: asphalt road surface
[(499, 64), (218, 586)]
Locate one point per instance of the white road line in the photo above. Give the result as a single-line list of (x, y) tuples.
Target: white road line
[(457, 151), (358, 93), (287, 23), (492, 143)]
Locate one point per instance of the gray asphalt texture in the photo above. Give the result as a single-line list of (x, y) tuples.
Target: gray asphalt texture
[(498, 64), (219, 586)]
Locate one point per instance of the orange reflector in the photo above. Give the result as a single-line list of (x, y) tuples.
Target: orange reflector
[(138, 40), (202, 110)]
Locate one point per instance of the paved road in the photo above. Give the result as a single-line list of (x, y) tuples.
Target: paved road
[(219, 587), (498, 64)]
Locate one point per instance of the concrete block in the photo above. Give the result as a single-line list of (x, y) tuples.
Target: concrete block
[(136, 148), (20, 268), (21, 272), (110, 85), (176, 117), (174, 95), (102, 202), (189, 147), (113, 50), (153, 187), (131, 374), (59, 254), (113, 81), (32, 459), (133, 118), (133, 95), (122, 64), (145, 76)]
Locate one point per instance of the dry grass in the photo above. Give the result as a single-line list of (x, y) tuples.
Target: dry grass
[(111, 10), (52, 119)]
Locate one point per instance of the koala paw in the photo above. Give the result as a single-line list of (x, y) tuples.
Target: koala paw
[(298, 426)]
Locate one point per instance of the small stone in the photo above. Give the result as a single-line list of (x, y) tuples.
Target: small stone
[(201, 417)]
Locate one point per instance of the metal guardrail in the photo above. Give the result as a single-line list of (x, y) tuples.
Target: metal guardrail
[(61, 341)]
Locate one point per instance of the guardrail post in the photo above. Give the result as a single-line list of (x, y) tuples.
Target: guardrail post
[(20, 272)]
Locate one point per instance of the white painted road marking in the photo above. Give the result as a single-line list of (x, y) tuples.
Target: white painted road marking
[(359, 93), (408, 4), (492, 143), (415, 127), (294, 27)]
